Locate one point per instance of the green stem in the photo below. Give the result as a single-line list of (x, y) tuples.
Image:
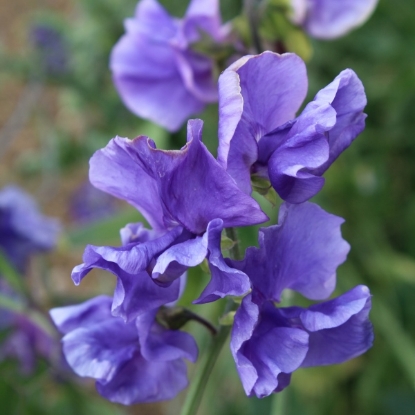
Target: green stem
[(251, 10), (279, 403), (198, 384)]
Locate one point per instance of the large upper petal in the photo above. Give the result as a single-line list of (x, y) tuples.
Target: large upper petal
[(186, 187), (256, 95), (302, 252), (328, 19)]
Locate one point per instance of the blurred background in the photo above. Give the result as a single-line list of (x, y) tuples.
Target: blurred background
[(58, 105)]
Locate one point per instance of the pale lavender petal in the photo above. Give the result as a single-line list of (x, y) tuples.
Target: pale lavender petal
[(302, 252), (329, 19)]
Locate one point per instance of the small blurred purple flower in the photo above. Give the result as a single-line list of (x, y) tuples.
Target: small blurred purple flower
[(329, 19), (23, 229), (301, 253), (26, 341), (157, 74), (49, 44), (258, 134), (89, 204), (134, 362)]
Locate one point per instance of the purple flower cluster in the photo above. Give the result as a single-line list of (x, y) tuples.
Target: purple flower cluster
[(155, 70), (188, 198)]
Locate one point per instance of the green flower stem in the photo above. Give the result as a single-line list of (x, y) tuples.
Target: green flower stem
[(279, 403), (198, 383), (251, 10)]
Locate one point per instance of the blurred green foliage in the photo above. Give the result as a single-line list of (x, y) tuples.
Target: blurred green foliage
[(371, 186)]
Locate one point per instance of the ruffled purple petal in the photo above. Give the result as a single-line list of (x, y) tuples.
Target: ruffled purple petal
[(302, 252), (141, 381), (329, 19), (305, 147), (135, 291), (270, 88), (265, 348), (96, 343), (225, 280), (93, 311), (339, 329), (186, 187), (159, 344), (115, 170), (347, 96)]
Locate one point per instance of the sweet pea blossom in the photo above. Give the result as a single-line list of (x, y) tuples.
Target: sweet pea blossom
[(188, 198), (134, 362), (259, 134), (301, 253), (156, 73), (23, 229), (329, 19)]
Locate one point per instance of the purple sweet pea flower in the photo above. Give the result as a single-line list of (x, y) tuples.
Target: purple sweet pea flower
[(270, 343), (23, 229), (188, 198), (134, 362), (157, 74), (329, 19), (301, 253), (258, 134)]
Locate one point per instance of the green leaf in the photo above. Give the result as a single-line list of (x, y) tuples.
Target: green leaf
[(104, 232), (10, 304)]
